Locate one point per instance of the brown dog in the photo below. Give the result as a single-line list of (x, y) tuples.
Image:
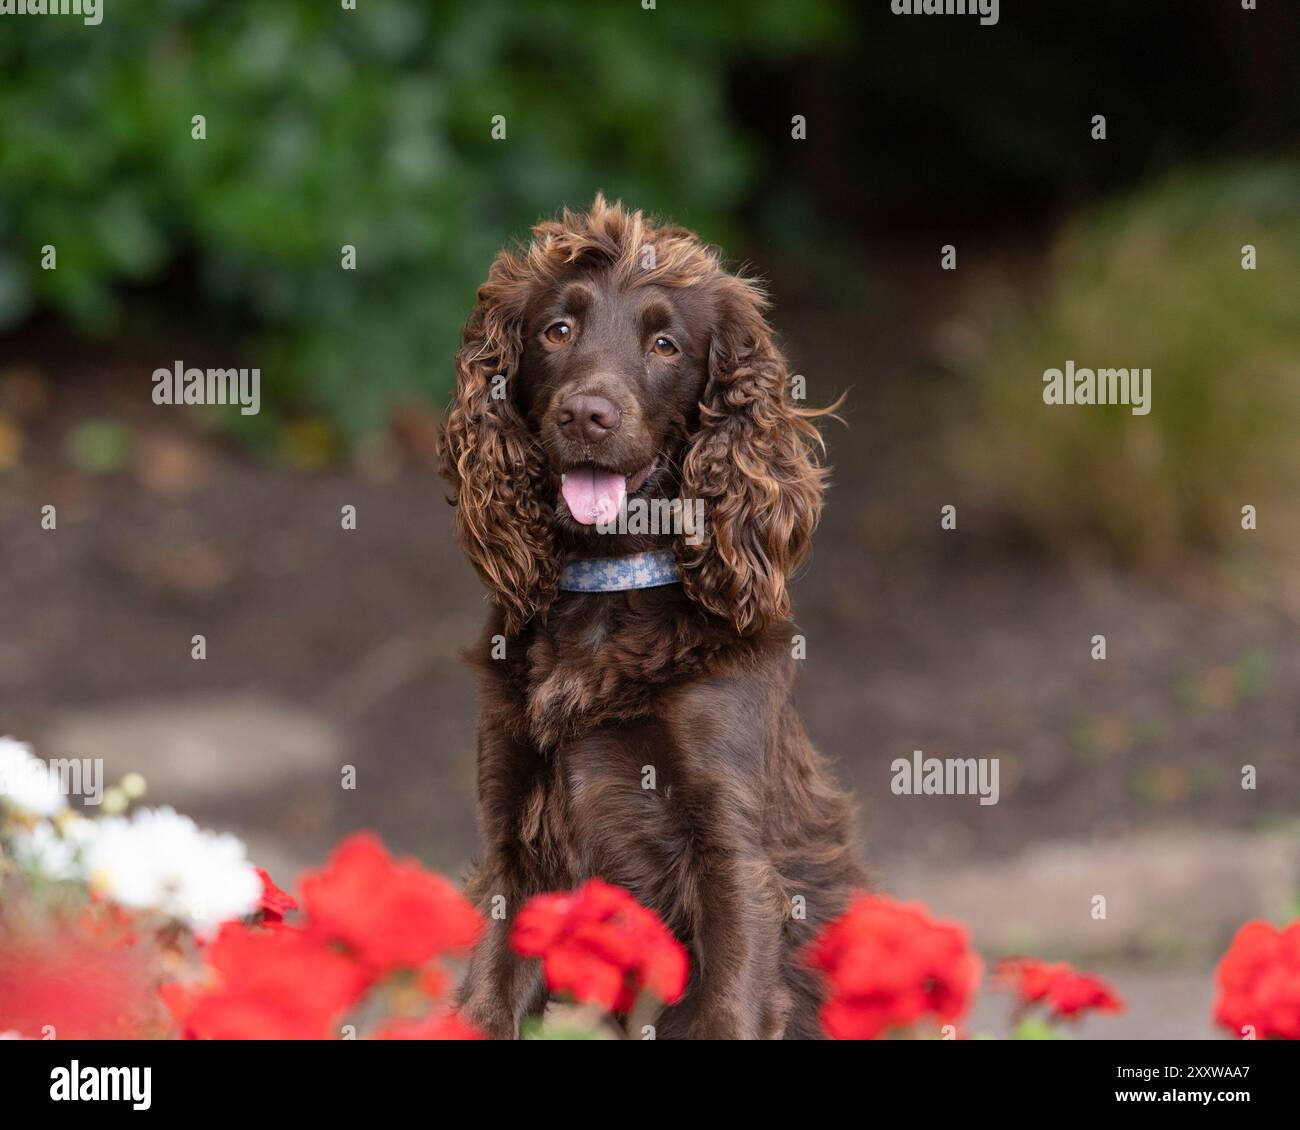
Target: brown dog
[(645, 735)]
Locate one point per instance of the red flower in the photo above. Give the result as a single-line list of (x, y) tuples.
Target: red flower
[(80, 979), (433, 981), (887, 964), (1077, 993), (275, 902), (435, 1026), (280, 984), (390, 913), (1068, 994), (1259, 982), (601, 945), (1028, 977)]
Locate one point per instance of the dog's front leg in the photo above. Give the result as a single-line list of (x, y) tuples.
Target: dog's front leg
[(741, 995), (500, 988)]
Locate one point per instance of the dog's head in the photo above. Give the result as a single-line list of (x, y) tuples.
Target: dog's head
[(610, 359)]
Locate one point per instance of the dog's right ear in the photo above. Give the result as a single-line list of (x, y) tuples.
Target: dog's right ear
[(495, 465)]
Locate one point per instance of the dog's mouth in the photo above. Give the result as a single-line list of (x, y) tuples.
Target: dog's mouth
[(596, 494)]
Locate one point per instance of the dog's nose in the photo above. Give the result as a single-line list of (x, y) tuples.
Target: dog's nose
[(586, 419)]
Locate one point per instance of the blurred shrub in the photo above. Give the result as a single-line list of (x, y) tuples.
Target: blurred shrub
[(1153, 280), (98, 446), (328, 127)]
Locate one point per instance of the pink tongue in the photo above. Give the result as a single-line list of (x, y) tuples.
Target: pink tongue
[(594, 495)]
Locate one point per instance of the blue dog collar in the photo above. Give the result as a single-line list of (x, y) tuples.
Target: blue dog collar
[(646, 570)]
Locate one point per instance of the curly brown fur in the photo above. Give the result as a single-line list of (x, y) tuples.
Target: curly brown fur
[(667, 377)]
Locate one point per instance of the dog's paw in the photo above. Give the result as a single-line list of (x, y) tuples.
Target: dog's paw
[(489, 1018)]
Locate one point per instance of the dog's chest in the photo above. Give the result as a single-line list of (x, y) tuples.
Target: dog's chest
[(588, 676), (609, 805)]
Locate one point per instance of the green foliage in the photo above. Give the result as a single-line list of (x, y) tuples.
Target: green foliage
[(1153, 280), (1035, 1028), (99, 446), (567, 1021), (372, 127)]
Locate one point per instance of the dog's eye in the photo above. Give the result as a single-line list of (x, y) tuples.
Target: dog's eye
[(558, 333), (664, 347)]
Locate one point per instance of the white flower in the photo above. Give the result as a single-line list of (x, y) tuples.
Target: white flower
[(158, 859), (53, 853), (26, 784)]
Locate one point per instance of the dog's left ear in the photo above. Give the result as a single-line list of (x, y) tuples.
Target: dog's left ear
[(754, 464)]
